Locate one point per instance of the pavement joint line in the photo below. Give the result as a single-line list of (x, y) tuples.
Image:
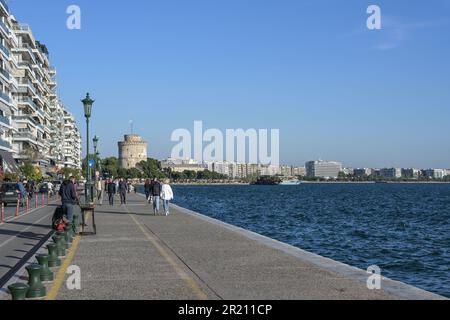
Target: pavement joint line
[(184, 262), (190, 282)]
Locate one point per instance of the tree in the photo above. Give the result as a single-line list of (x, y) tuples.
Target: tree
[(152, 169), (31, 172), (71, 172), (110, 166)]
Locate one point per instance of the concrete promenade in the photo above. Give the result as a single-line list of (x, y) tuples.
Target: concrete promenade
[(187, 256)]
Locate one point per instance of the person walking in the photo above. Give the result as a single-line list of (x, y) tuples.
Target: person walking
[(123, 190), (100, 187), (166, 195), (111, 190), (147, 189), (22, 192), (156, 194), (69, 197)]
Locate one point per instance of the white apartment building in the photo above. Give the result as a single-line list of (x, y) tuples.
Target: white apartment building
[(323, 169), (32, 119)]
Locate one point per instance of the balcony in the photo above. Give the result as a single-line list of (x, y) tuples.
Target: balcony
[(5, 97), (5, 120), (4, 5), (5, 28), (4, 50), (5, 74), (5, 144)]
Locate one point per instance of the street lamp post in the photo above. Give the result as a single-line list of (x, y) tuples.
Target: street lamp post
[(89, 194), (96, 153)]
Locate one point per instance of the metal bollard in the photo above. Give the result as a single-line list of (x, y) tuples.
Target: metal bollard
[(61, 249), (28, 204), (64, 242), (37, 289), (68, 238), (18, 207), (3, 213), (75, 224), (43, 199), (18, 291), (36, 202), (46, 274), (69, 230), (53, 260)]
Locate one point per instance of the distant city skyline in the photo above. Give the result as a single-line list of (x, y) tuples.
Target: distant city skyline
[(336, 90)]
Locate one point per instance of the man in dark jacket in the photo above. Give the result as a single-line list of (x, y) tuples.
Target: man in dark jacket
[(69, 197), (156, 193), (111, 190), (123, 189)]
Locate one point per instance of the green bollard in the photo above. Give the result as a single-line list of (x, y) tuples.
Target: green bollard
[(53, 260), (18, 291), (63, 240), (46, 274), (61, 250), (68, 239), (37, 290), (75, 224), (69, 230)]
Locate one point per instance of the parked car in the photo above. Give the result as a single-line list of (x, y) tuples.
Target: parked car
[(8, 193), (43, 188)]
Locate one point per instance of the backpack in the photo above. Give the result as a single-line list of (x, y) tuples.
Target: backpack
[(58, 219), (59, 225)]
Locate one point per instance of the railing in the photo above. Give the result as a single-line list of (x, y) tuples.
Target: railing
[(5, 73), (5, 144), (5, 120), (5, 97), (28, 100), (5, 28), (3, 2), (5, 51)]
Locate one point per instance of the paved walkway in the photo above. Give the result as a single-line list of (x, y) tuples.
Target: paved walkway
[(188, 256)]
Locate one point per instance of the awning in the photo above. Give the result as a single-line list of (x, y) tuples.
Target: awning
[(9, 164)]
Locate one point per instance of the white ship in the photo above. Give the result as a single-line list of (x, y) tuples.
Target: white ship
[(290, 183)]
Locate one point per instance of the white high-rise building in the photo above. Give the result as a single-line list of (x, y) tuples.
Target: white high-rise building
[(323, 169), (32, 119)]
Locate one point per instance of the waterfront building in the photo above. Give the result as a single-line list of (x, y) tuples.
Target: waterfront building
[(323, 169), (391, 173), (299, 171), (347, 171), (286, 171), (132, 150), (434, 173), (362, 172), (31, 115), (410, 173), (269, 170)]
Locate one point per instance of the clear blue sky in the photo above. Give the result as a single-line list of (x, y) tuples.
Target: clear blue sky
[(309, 68)]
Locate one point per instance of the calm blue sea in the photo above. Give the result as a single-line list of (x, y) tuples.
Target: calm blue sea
[(402, 228)]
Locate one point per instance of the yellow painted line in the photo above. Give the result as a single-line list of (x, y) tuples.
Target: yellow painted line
[(61, 276), (181, 273)]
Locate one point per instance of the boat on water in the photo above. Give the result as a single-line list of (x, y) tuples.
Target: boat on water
[(276, 181), (267, 181), (290, 183)]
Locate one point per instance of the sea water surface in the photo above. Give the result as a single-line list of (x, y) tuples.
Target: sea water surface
[(402, 228)]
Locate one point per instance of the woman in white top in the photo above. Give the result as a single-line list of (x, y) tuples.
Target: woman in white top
[(166, 195)]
